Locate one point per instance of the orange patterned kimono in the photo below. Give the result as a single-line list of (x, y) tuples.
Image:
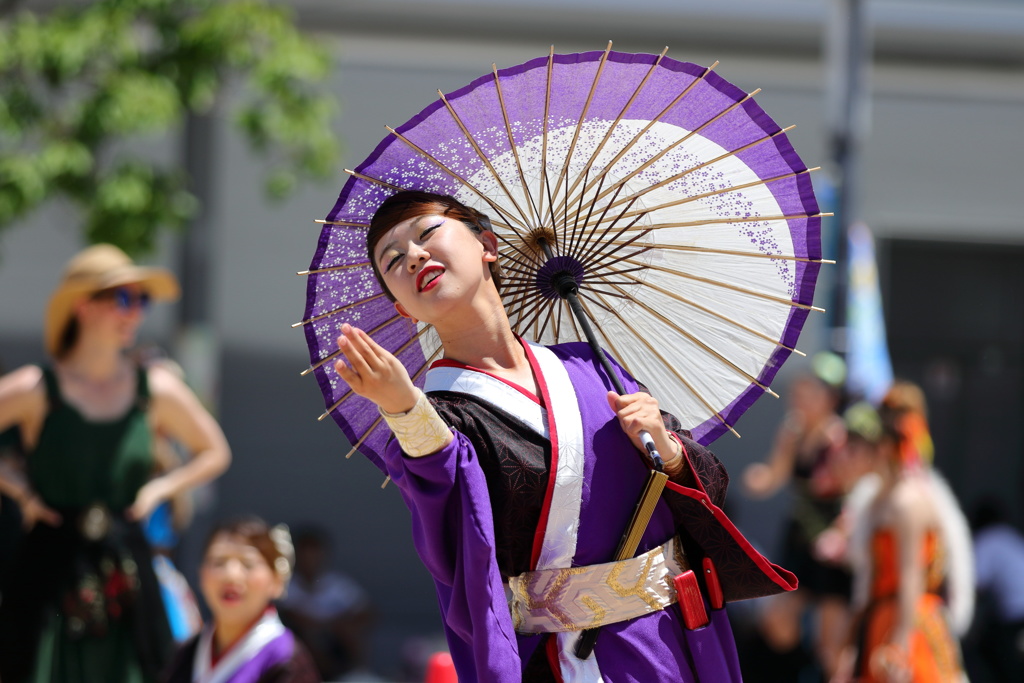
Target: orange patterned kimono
[(934, 654)]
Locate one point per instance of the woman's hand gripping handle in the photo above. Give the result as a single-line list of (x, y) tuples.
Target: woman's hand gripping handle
[(639, 416)]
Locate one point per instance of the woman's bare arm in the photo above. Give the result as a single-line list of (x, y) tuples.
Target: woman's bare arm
[(22, 398), (762, 479), (177, 413), (909, 523), (23, 405)]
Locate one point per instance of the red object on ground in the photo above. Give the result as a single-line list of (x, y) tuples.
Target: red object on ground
[(441, 669)]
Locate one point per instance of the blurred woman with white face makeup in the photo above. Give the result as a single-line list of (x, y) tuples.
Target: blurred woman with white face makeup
[(246, 566)]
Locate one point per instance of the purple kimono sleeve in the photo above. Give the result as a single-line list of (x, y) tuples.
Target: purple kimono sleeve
[(453, 532)]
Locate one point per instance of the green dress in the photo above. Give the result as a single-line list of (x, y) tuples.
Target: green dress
[(83, 603)]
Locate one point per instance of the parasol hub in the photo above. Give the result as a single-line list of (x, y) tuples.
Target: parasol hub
[(559, 277), (539, 240)]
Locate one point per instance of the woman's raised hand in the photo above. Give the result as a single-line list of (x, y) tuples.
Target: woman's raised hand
[(373, 372), (149, 497)]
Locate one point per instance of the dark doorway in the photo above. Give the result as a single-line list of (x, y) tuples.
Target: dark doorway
[(955, 319)]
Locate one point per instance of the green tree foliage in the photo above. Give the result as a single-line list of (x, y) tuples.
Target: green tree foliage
[(80, 84)]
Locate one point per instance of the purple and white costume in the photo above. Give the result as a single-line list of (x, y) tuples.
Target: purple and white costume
[(267, 653), (547, 482)]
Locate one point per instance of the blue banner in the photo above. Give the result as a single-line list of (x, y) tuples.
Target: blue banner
[(869, 368)]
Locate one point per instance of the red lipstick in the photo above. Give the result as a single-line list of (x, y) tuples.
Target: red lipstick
[(426, 273)]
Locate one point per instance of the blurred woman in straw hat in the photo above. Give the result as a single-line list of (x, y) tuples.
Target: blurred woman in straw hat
[(83, 603)]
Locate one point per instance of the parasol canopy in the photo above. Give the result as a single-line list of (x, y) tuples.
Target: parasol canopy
[(677, 205)]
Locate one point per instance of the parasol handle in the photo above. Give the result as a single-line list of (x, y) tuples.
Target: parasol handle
[(565, 284)]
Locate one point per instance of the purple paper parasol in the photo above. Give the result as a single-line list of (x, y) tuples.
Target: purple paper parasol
[(677, 204)]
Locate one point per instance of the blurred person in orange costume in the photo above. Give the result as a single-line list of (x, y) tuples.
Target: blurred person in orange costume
[(910, 550)]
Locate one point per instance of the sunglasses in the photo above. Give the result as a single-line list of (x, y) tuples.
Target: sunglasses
[(125, 299)]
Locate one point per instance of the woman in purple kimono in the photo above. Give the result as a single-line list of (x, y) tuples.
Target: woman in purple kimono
[(521, 470), (246, 565)]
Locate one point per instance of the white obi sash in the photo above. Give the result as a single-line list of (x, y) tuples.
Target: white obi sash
[(563, 426)]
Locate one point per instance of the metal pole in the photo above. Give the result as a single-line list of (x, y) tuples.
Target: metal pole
[(848, 50), (197, 347)]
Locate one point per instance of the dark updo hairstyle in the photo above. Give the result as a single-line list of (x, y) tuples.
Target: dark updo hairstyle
[(904, 413), (413, 203), (273, 543)]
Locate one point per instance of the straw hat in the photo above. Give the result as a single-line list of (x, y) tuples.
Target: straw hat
[(96, 268)]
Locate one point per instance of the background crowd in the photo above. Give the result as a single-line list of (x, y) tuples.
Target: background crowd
[(903, 574)]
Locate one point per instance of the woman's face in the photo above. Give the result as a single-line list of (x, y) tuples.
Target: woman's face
[(810, 399), (236, 581), (114, 313), (432, 263)]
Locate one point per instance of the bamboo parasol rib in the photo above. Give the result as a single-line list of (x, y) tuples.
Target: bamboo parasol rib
[(731, 188), (335, 311), (583, 114), (608, 134), (672, 325), (483, 157), (430, 157), (698, 395), (513, 147), (632, 143)]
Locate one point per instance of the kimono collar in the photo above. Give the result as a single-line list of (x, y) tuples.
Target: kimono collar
[(240, 656), (554, 543)]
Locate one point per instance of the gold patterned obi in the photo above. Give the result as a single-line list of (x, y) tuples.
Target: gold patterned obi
[(578, 598)]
